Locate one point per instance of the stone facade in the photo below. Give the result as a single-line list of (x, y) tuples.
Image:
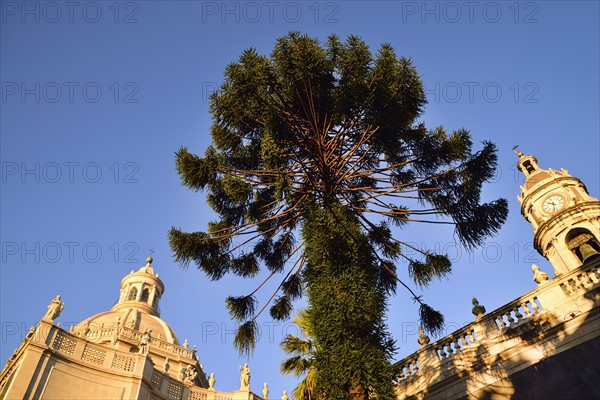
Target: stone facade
[(543, 345), (479, 360), (128, 352)]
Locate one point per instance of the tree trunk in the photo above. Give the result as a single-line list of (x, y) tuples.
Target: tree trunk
[(346, 308)]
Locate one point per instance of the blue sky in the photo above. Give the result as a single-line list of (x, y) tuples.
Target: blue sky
[(97, 96)]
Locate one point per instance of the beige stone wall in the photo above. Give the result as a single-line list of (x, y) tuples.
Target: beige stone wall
[(480, 360), (54, 364)]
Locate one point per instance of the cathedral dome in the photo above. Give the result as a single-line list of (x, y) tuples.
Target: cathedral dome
[(137, 309)]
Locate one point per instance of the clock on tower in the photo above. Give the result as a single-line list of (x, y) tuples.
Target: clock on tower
[(565, 218)]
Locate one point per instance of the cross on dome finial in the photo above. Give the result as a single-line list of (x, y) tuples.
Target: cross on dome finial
[(518, 152)]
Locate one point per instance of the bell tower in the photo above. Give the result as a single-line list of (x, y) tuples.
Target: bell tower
[(141, 290), (565, 218)]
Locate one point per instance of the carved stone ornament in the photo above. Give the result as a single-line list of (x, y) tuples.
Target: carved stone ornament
[(211, 381), (478, 310), (539, 277), (423, 339), (54, 309), (245, 377)]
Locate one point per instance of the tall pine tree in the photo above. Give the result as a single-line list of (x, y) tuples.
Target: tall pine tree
[(316, 154)]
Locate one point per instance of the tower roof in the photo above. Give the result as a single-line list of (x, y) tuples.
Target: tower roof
[(536, 176)]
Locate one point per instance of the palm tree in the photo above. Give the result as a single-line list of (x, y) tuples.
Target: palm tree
[(302, 360)]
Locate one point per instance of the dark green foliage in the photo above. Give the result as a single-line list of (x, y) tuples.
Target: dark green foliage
[(434, 266), (281, 309), (347, 306), (431, 320), (245, 337), (245, 265), (241, 308), (327, 136)]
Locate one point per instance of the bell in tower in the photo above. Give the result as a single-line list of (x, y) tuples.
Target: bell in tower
[(565, 218), (588, 252)]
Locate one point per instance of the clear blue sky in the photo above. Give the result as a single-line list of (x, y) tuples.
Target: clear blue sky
[(97, 96)]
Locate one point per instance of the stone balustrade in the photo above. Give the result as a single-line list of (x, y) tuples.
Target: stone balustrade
[(197, 393), (516, 312), (120, 332), (166, 384), (97, 335), (72, 346), (584, 279), (546, 306), (454, 343), (159, 343), (408, 368)]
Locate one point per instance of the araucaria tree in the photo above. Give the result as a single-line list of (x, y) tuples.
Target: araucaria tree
[(317, 153)]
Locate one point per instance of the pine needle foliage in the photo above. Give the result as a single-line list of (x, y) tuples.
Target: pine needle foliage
[(317, 153)]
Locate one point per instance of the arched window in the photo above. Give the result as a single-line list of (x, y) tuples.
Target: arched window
[(132, 294), (582, 243), (155, 300), (145, 295), (529, 167)]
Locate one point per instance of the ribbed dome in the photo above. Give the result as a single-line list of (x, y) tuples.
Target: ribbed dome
[(537, 177)]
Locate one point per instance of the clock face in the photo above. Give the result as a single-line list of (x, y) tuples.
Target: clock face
[(553, 203)]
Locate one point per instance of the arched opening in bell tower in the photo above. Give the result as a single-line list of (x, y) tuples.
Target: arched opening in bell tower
[(529, 167), (583, 244), (145, 295)]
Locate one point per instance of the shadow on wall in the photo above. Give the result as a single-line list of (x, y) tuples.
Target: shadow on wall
[(521, 351)]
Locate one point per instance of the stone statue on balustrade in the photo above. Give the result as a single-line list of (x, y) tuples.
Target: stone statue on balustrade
[(145, 342), (211, 381), (265, 392), (285, 396), (85, 329), (54, 309), (189, 375), (245, 377), (193, 375)]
